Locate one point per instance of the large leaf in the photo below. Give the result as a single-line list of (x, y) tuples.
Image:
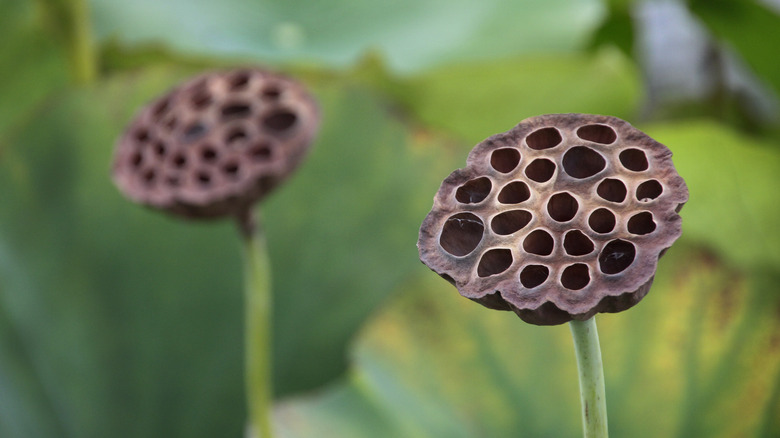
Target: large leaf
[(342, 234), (31, 65), (412, 33), (111, 311), (120, 321), (748, 26), (475, 101), (733, 181), (617, 28), (698, 358)]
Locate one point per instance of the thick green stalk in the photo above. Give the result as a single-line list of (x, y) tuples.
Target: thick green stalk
[(82, 50), (592, 394), (257, 332), (69, 21)]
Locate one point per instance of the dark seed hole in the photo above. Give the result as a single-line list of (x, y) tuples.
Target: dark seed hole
[(235, 110), (505, 160), (171, 123), (474, 191), (583, 162), (616, 256), (510, 222), (280, 120), (231, 170), (514, 193), (576, 243), (575, 276), (634, 159), (538, 242), (461, 234), (597, 133), (161, 107), (260, 152), (136, 159), (641, 223), (235, 136), (179, 160), (159, 148), (649, 190), (494, 261), (534, 275), (204, 179), (544, 138), (612, 190), (239, 81), (149, 176), (562, 207), (602, 221), (194, 132), (209, 154), (271, 92), (201, 99), (540, 170), (142, 135)]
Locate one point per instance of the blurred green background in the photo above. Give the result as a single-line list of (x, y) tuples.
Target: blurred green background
[(120, 321)]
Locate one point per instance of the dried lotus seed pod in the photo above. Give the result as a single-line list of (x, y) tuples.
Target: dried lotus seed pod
[(216, 144), (561, 217)]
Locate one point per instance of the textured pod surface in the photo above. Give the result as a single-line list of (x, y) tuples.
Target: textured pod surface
[(217, 143), (559, 218)]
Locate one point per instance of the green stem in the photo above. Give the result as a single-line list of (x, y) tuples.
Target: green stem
[(592, 394), (257, 330), (69, 21), (81, 48)]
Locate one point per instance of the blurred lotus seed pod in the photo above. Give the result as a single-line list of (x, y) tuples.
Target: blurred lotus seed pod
[(561, 217), (217, 143)]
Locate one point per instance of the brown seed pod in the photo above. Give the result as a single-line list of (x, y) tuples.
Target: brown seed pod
[(216, 144), (559, 218)]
